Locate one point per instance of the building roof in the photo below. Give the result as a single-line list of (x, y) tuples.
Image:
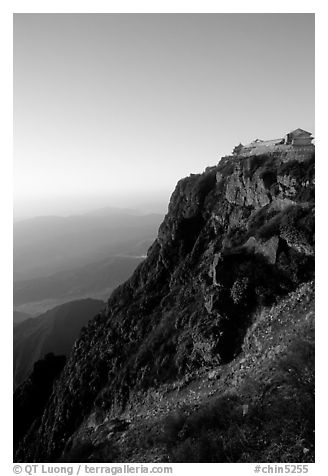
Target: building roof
[(265, 143), (300, 132)]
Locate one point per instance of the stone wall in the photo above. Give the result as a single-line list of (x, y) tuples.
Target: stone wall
[(299, 153), (288, 152)]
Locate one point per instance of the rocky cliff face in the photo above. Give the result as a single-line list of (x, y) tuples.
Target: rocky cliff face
[(236, 239)]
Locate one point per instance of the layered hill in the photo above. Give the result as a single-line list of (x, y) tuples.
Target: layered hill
[(19, 317), (95, 280), (47, 245), (222, 282), (52, 332)]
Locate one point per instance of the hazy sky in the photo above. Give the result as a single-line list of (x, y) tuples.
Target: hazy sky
[(112, 109)]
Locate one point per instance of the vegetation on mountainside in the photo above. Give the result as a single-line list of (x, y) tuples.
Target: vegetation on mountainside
[(278, 425)]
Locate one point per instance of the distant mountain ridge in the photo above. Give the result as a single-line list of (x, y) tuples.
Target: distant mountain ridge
[(20, 317), (46, 245), (96, 280), (52, 332)]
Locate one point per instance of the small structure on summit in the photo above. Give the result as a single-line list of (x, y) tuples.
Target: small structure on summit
[(299, 137), (296, 144)]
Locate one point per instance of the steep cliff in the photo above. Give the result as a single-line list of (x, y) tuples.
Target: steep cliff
[(235, 241)]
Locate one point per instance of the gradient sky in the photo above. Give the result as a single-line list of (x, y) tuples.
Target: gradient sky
[(113, 109)]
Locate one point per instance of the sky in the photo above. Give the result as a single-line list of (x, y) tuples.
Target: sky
[(113, 109)]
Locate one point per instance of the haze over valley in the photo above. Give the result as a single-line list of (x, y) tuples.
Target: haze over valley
[(59, 259)]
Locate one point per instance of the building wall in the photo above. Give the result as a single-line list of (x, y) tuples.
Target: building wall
[(302, 141), (289, 152), (300, 153)]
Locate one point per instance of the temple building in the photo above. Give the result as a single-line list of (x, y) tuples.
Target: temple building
[(295, 142), (299, 137)]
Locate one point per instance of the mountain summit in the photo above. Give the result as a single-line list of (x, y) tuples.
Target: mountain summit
[(206, 353)]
